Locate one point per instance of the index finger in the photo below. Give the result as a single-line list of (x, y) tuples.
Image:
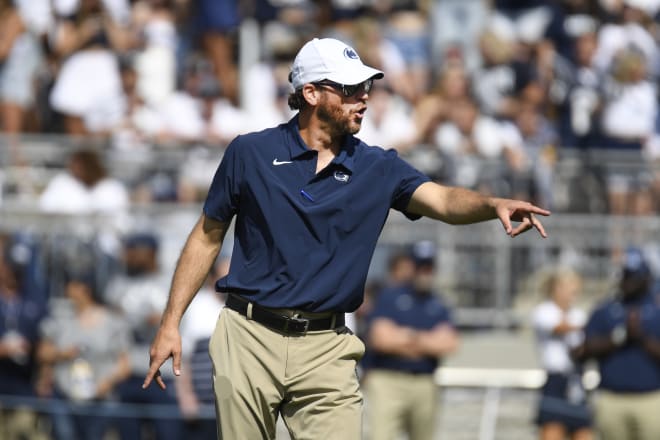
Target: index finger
[(533, 209)]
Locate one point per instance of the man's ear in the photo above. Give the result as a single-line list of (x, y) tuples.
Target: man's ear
[(311, 94)]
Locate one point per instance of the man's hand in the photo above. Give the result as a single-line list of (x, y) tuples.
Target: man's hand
[(167, 343), (519, 211)]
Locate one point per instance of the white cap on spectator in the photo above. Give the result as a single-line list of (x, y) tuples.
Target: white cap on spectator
[(329, 59)]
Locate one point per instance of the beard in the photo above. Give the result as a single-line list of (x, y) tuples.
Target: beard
[(338, 122)]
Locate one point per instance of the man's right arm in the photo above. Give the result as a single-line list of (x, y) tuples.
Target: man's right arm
[(197, 257)]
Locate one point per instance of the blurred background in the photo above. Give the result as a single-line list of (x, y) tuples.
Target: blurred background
[(115, 114)]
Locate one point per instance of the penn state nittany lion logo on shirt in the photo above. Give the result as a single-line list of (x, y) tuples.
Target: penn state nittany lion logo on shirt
[(341, 176), (351, 54)]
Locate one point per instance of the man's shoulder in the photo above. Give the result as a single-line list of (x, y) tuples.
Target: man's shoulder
[(373, 155), (259, 139), (372, 151)]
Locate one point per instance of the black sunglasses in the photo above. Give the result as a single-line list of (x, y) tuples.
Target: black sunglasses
[(347, 90)]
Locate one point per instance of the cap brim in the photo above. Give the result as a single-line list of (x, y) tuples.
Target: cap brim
[(356, 76)]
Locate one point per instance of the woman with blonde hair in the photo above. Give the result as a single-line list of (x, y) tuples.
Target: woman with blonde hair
[(558, 325)]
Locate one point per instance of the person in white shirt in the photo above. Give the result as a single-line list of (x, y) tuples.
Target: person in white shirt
[(482, 152), (630, 110), (558, 325), (84, 188)]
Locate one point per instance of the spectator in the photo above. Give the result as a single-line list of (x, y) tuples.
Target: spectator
[(265, 100), (139, 123), (480, 150), (584, 97), (540, 141), (400, 269), (83, 356), (155, 64), (433, 109), (623, 335), (389, 121), (216, 21), (140, 293), (181, 114), (195, 387), (87, 89), (408, 29), (495, 82), (384, 54), (628, 31), (22, 24), (558, 324), (410, 330), (628, 121), (19, 322), (84, 188), (630, 106)]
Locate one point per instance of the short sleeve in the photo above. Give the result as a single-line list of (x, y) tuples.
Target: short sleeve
[(407, 180), (224, 194)]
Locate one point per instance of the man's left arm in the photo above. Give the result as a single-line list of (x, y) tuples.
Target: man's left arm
[(458, 206)]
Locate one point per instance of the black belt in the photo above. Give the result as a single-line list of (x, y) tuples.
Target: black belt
[(285, 324)]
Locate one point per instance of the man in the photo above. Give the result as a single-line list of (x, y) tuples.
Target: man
[(410, 330), (310, 201), (623, 335)]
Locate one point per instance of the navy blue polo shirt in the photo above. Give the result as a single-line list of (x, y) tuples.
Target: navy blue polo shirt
[(304, 240), (629, 369), (408, 309)]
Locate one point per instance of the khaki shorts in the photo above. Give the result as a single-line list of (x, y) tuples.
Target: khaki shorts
[(310, 380), (628, 416)]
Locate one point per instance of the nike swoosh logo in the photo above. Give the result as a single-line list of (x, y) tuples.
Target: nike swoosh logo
[(280, 162)]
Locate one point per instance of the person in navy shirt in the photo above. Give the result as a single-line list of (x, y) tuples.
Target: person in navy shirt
[(410, 331), (623, 335), (310, 200)]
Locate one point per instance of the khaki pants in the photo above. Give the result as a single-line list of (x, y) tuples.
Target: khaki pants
[(400, 402), (310, 380), (628, 416)]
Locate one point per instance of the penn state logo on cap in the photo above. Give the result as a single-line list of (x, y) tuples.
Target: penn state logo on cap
[(341, 176), (351, 54)]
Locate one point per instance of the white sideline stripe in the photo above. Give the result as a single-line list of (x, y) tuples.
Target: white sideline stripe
[(490, 377), (532, 378)]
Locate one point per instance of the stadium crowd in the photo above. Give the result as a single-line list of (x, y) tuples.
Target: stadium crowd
[(495, 92), (489, 95)]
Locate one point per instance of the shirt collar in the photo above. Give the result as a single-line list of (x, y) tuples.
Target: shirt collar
[(297, 146)]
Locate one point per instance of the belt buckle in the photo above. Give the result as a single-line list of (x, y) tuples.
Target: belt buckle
[(295, 324)]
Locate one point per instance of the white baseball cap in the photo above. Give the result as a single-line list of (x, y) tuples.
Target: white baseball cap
[(331, 59)]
